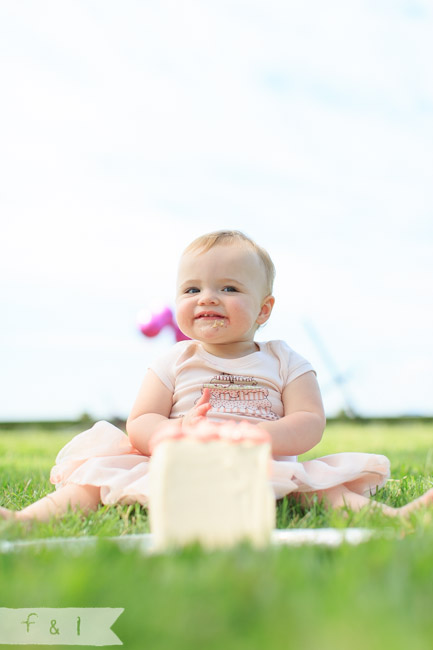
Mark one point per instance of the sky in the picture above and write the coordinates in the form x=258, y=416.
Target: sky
x=128, y=129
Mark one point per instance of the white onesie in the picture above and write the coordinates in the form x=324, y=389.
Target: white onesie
x=248, y=388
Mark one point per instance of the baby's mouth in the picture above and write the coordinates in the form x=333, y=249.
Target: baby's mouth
x=209, y=315
x=212, y=317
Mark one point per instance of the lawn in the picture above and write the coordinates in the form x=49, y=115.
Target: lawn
x=375, y=595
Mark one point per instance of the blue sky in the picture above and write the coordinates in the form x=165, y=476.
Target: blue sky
x=129, y=129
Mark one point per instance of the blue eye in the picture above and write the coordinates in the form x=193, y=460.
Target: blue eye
x=229, y=289
x=192, y=290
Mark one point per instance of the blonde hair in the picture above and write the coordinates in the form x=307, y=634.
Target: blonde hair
x=227, y=237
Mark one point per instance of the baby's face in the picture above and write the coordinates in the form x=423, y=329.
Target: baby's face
x=220, y=294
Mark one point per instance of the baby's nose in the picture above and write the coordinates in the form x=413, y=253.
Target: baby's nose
x=208, y=296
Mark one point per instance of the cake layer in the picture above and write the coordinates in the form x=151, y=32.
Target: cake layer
x=209, y=484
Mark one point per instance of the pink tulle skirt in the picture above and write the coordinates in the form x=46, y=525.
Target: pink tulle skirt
x=104, y=457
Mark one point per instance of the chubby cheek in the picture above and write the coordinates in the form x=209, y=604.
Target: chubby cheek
x=244, y=314
x=184, y=314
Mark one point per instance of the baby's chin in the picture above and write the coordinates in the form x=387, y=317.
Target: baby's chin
x=210, y=324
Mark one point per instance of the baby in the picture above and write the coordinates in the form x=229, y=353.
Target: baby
x=224, y=294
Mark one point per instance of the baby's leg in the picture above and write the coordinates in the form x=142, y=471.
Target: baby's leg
x=341, y=496
x=83, y=497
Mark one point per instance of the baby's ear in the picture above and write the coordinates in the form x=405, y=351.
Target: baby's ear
x=266, y=310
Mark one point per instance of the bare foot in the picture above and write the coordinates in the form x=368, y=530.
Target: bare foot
x=6, y=514
x=424, y=500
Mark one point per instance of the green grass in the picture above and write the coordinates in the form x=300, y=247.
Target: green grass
x=25, y=462
x=376, y=595
x=26, y=459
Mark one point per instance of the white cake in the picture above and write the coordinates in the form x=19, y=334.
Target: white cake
x=209, y=484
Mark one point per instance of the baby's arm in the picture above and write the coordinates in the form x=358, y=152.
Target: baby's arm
x=151, y=408
x=304, y=420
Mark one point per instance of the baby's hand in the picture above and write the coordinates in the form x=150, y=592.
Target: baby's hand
x=199, y=411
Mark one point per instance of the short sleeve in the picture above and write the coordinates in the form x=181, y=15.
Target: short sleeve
x=165, y=366
x=292, y=364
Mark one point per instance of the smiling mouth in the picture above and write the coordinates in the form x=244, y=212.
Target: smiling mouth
x=209, y=314
x=212, y=317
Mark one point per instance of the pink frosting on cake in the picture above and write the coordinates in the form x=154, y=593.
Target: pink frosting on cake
x=205, y=431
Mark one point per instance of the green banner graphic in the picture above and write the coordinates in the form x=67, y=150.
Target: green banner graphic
x=59, y=626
